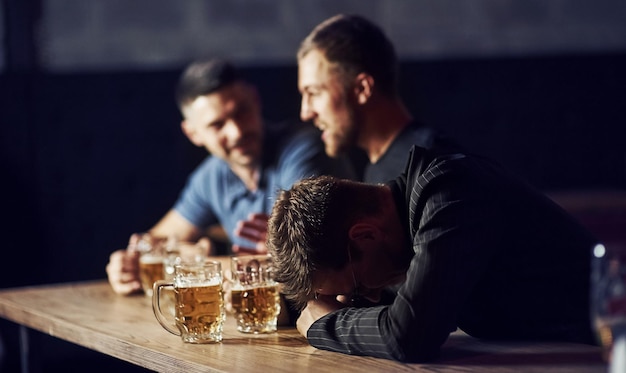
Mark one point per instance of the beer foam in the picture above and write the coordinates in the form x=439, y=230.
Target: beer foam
x=182, y=283
x=150, y=259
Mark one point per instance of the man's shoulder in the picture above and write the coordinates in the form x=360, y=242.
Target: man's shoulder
x=415, y=134
x=436, y=161
x=427, y=137
x=418, y=134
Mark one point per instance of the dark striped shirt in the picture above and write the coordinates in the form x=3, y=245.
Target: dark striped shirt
x=492, y=256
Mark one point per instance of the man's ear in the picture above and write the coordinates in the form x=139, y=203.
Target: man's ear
x=361, y=233
x=190, y=133
x=364, y=87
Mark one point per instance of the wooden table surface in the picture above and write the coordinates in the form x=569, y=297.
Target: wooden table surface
x=90, y=314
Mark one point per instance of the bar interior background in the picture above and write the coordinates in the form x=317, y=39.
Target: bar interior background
x=90, y=143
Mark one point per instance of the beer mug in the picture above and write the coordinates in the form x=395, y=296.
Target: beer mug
x=179, y=252
x=182, y=251
x=254, y=294
x=199, y=301
x=151, y=255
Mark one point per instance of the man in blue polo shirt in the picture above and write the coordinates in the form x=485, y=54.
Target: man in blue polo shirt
x=249, y=161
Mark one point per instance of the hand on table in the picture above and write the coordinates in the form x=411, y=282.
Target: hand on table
x=123, y=271
x=315, y=310
x=254, y=229
x=123, y=267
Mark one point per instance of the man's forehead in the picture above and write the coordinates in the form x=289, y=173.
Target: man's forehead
x=313, y=68
x=203, y=105
x=236, y=91
x=210, y=107
x=205, y=101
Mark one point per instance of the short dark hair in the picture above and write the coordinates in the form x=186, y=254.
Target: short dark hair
x=204, y=77
x=356, y=45
x=308, y=230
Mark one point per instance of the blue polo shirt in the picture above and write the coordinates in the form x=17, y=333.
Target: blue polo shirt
x=215, y=195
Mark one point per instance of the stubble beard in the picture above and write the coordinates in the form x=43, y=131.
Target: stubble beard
x=346, y=140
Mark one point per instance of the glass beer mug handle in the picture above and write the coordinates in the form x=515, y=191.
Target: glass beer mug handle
x=156, y=306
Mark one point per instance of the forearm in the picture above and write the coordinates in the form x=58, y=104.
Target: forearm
x=372, y=332
x=352, y=331
x=173, y=224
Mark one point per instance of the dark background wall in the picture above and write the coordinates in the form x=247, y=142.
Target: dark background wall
x=90, y=157
x=91, y=150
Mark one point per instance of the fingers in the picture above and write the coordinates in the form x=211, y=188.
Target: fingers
x=123, y=272
x=205, y=246
x=226, y=288
x=144, y=241
x=133, y=241
x=261, y=218
x=252, y=231
x=304, y=321
x=343, y=299
x=261, y=248
x=255, y=222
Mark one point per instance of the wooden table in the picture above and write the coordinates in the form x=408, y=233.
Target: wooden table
x=90, y=314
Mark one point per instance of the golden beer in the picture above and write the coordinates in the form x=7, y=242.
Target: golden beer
x=150, y=271
x=200, y=312
x=608, y=330
x=256, y=308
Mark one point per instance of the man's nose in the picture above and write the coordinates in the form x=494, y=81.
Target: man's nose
x=232, y=130
x=306, y=112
